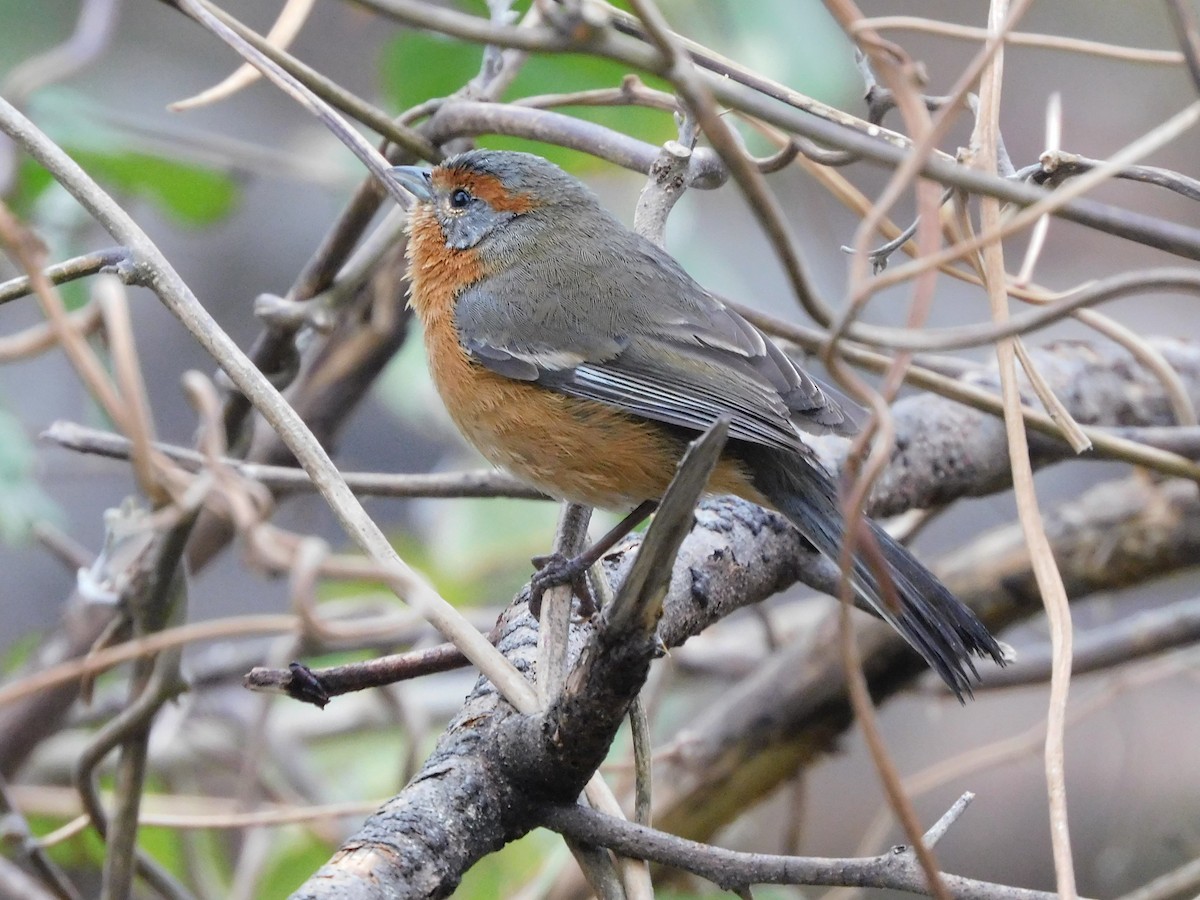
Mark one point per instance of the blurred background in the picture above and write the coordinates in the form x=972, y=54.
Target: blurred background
x=238, y=195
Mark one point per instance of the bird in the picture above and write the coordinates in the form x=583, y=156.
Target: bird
x=582, y=358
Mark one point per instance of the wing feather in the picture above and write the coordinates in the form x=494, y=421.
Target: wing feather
x=685, y=361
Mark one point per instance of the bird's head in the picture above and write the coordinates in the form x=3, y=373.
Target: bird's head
x=486, y=194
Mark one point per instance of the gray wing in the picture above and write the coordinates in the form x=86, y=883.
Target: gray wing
x=685, y=360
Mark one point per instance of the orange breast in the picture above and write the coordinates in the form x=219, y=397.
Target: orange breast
x=574, y=449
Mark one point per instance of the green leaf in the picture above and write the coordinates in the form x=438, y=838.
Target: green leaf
x=296, y=855
x=31, y=182
x=417, y=66
x=165, y=846
x=188, y=193
x=505, y=872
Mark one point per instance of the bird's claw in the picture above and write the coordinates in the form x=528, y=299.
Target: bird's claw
x=555, y=570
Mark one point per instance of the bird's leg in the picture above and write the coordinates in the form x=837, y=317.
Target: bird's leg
x=555, y=568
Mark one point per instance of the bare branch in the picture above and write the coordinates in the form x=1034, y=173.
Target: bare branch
x=1026, y=39
x=1098, y=649
x=459, y=118
x=70, y=270
x=479, y=483
x=1056, y=166
x=729, y=869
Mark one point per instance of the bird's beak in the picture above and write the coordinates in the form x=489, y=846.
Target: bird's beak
x=414, y=179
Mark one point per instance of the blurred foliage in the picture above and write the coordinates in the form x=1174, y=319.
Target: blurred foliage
x=32, y=28
x=188, y=193
x=296, y=854
x=19, y=653
x=768, y=892
x=210, y=863
x=416, y=66
x=83, y=850
x=477, y=551
x=504, y=873
x=22, y=501
x=160, y=170
x=816, y=58
x=165, y=846
x=368, y=766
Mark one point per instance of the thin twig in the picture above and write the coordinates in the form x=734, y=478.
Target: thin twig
x=1094, y=293
x=1049, y=580
x=69, y=270
x=281, y=34
x=1099, y=649
x=118, y=329
x=1020, y=745
x=942, y=826
x=320, y=85
x=1055, y=408
x=1026, y=39
x=643, y=761
x=18, y=834
x=103, y=660
x=1056, y=166
x=1178, y=124
x=555, y=620
x=477, y=483
x=37, y=339
x=27, y=250
x=469, y=118
x=1105, y=442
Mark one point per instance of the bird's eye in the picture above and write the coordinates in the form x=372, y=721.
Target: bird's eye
x=460, y=198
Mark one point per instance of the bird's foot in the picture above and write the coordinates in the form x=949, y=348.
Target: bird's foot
x=555, y=570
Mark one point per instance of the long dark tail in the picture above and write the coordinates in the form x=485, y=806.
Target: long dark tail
x=937, y=625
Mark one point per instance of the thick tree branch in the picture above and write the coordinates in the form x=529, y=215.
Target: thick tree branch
x=546, y=756
x=796, y=704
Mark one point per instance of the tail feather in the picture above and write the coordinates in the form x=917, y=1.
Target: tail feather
x=933, y=621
